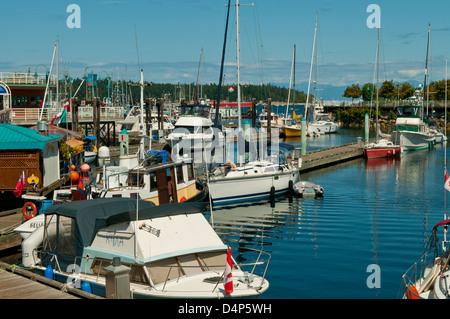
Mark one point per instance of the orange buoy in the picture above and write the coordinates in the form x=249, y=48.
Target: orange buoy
x=412, y=293
x=72, y=167
x=29, y=210
x=85, y=168
x=74, y=176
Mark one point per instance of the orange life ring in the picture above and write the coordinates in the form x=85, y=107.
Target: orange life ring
x=25, y=210
x=412, y=293
x=182, y=199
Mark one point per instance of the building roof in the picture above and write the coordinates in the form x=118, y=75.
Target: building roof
x=14, y=137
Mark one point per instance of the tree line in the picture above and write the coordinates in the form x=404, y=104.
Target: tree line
x=130, y=91
x=389, y=91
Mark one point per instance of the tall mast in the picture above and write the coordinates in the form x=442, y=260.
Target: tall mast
x=238, y=66
x=426, y=84
x=310, y=70
x=378, y=64
x=290, y=81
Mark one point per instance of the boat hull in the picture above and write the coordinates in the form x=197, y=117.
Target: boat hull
x=292, y=132
x=241, y=189
x=381, y=152
x=413, y=141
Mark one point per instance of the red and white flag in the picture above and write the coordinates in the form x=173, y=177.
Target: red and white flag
x=61, y=116
x=20, y=185
x=447, y=181
x=227, y=276
x=231, y=89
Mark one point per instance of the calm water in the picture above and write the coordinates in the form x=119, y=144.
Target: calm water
x=378, y=212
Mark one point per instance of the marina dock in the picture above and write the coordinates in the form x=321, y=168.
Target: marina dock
x=17, y=283
x=330, y=156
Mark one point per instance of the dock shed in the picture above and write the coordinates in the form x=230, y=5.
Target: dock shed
x=29, y=151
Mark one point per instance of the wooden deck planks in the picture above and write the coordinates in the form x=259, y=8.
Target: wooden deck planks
x=14, y=286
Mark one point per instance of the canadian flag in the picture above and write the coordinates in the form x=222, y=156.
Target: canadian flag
x=447, y=181
x=227, y=276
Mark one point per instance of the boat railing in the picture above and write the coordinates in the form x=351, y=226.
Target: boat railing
x=12, y=78
x=85, y=113
x=409, y=280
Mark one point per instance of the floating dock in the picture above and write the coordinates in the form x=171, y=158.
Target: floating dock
x=330, y=156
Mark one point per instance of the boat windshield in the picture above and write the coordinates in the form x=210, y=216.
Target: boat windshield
x=195, y=110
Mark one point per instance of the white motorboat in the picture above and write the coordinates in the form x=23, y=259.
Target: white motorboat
x=170, y=251
x=411, y=132
x=194, y=129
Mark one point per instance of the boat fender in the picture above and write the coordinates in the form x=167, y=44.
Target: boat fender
x=49, y=272
x=26, y=210
x=182, y=199
x=291, y=186
x=86, y=286
x=412, y=293
x=272, y=191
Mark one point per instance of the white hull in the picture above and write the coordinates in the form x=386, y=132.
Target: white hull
x=323, y=127
x=230, y=190
x=413, y=141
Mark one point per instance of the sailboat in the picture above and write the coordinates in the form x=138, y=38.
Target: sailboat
x=411, y=131
x=428, y=278
x=293, y=129
x=258, y=179
x=381, y=147
x=319, y=123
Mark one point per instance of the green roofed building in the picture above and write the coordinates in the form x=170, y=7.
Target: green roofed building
x=28, y=151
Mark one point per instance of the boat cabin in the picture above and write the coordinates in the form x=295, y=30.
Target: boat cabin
x=160, y=182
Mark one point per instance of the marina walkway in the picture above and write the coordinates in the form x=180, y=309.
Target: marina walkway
x=18, y=283
x=330, y=156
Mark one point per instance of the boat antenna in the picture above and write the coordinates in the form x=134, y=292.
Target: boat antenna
x=216, y=119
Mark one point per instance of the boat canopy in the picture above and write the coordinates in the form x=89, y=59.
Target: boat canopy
x=92, y=215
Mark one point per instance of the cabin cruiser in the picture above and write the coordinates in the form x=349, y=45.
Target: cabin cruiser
x=194, y=129
x=170, y=250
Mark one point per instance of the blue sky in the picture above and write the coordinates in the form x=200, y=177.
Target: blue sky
x=171, y=34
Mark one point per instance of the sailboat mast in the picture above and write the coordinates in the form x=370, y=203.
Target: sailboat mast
x=378, y=65
x=310, y=70
x=238, y=67
x=426, y=84
x=290, y=82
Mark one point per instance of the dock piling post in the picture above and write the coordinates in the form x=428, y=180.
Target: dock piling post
x=303, y=136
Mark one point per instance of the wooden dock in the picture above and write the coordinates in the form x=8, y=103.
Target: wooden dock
x=330, y=156
x=18, y=283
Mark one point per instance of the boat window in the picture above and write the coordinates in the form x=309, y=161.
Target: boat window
x=137, y=273
x=153, y=184
x=190, y=171
x=135, y=179
x=66, y=235
x=50, y=233
x=174, y=267
x=180, y=178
